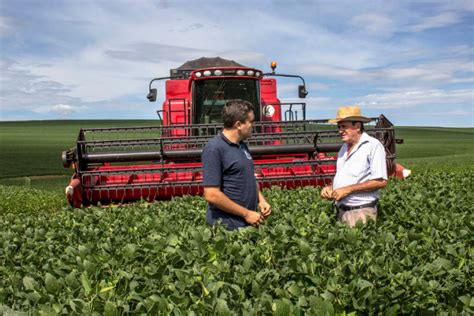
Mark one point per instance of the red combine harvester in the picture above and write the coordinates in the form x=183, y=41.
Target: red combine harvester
x=125, y=164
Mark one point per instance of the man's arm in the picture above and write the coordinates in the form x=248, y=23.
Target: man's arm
x=265, y=208
x=217, y=198
x=367, y=186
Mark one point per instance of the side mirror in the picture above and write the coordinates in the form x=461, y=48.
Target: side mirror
x=151, y=96
x=302, y=91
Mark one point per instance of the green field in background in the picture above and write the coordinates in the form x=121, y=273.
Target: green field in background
x=428, y=142
x=34, y=148
x=30, y=152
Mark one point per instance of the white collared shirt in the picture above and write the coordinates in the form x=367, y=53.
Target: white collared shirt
x=365, y=162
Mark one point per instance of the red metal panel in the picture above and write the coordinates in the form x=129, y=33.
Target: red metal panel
x=121, y=184
x=271, y=109
x=176, y=105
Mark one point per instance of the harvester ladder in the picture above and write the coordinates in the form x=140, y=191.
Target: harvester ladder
x=183, y=111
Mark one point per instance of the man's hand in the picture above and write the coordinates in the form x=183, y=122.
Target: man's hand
x=253, y=218
x=326, y=193
x=265, y=208
x=341, y=193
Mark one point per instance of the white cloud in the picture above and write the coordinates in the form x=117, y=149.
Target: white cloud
x=449, y=113
x=317, y=86
x=418, y=73
x=435, y=71
x=247, y=58
x=441, y=20
x=331, y=71
x=20, y=88
x=374, y=23
x=155, y=53
x=62, y=110
x=6, y=26
x=463, y=80
x=411, y=98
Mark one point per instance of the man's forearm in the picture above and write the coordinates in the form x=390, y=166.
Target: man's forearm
x=368, y=186
x=222, y=202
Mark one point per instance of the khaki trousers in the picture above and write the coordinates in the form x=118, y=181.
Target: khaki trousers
x=363, y=214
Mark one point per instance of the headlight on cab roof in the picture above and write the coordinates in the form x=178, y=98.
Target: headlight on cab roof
x=240, y=72
x=217, y=72
x=207, y=72
x=198, y=74
x=250, y=73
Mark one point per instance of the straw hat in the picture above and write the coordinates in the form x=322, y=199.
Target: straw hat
x=349, y=113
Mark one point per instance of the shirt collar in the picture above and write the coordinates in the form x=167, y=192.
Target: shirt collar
x=228, y=141
x=364, y=138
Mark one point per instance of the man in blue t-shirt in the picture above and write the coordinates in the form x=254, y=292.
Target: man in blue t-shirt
x=229, y=181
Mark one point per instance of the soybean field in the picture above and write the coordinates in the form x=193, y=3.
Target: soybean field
x=162, y=258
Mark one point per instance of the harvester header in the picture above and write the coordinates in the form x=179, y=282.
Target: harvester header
x=125, y=164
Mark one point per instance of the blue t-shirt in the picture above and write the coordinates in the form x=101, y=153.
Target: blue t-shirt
x=229, y=166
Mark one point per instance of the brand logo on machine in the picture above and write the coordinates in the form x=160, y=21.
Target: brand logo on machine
x=268, y=110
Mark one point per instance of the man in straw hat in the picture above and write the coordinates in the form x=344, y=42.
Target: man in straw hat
x=361, y=169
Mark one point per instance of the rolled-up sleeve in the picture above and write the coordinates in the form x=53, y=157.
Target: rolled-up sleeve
x=378, y=163
x=211, y=167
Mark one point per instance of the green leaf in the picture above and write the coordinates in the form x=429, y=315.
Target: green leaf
x=86, y=283
x=173, y=240
x=110, y=309
x=129, y=250
x=467, y=300
x=29, y=283
x=106, y=289
x=71, y=280
x=441, y=263
x=362, y=284
x=215, y=286
x=282, y=307
x=392, y=310
x=321, y=307
x=294, y=290
x=34, y=297
x=51, y=283
x=222, y=308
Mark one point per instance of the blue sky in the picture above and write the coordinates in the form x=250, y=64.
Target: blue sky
x=412, y=61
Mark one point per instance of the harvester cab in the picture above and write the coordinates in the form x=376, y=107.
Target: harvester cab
x=197, y=91
x=125, y=164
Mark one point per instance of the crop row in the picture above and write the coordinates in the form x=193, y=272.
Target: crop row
x=163, y=258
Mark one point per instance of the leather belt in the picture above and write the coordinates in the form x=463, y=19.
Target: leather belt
x=351, y=208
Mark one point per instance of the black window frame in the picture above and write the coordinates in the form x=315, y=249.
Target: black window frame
x=228, y=86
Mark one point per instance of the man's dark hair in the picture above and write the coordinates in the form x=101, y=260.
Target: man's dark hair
x=236, y=111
